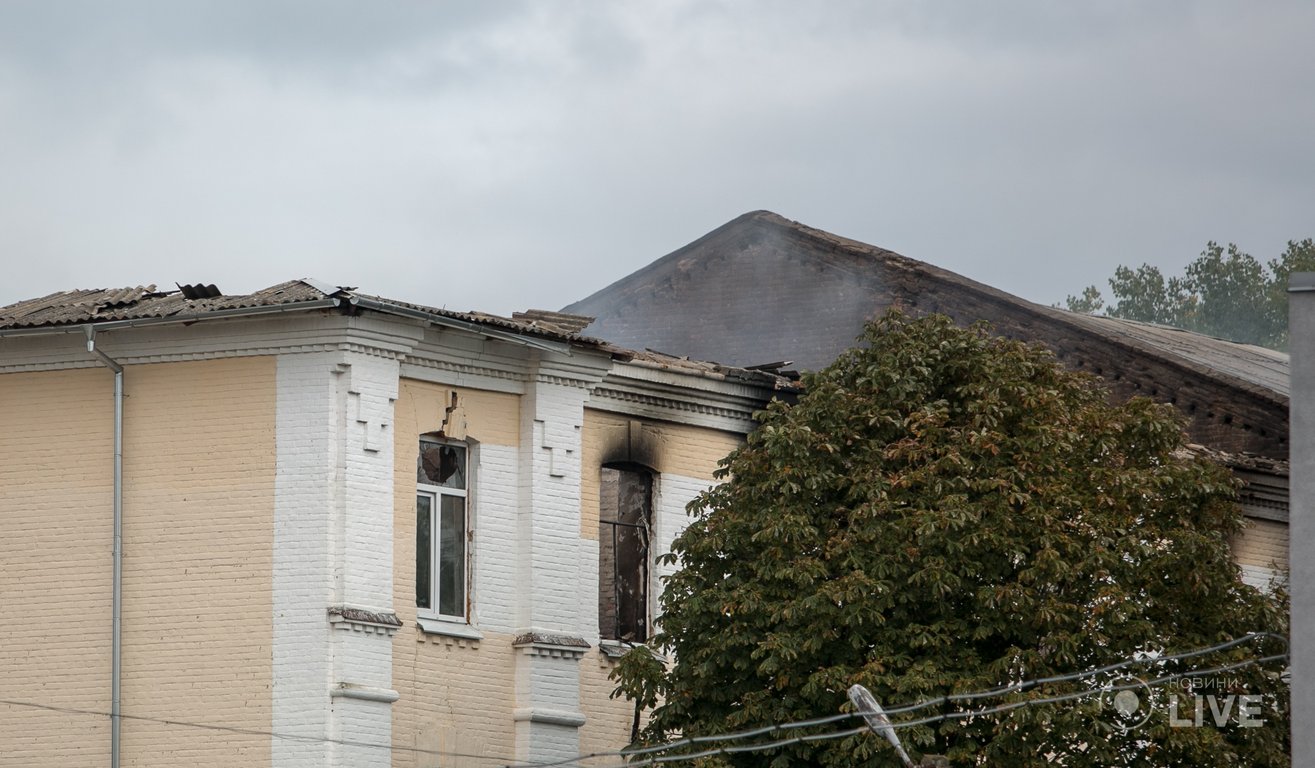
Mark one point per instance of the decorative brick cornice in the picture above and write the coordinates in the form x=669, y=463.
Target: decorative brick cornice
x=563, y=381
x=671, y=404
x=372, y=351
x=449, y=641
x=421, y=360
x=551, y=645
x=361, y=620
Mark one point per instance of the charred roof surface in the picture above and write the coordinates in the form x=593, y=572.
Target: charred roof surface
x=763, y=288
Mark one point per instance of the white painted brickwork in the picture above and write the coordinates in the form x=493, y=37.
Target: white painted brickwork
x=548, y=687
x=494, y=521
x=333, y=522
x=670, y=518
x=303, y=574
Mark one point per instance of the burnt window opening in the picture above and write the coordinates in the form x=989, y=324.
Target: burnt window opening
x=625, y=513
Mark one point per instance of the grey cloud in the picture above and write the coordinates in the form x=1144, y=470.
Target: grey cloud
x=496, y=156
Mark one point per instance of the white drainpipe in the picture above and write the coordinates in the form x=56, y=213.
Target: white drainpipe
x=116, y=609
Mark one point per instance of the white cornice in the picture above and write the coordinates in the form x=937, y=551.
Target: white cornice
x=462, y=374
x=583, y=370
x=238, y=337
x=680, y=397
x=683, y=410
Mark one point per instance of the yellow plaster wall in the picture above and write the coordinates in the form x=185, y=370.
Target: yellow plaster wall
x=198, y=539
x=490, y=417
x=456, y=695
x=55, y=568
x=198, y=502
x=608, y=721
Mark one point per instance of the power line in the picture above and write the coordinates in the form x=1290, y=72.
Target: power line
x=972, y=696
x=741, y=735
x=306, y=739
x=833, y=735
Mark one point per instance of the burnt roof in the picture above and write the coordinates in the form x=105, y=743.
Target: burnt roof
x=763, y=287
x=70, y=310
x=102, y=305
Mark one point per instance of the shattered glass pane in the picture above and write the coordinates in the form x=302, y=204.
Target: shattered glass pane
x=441, y=464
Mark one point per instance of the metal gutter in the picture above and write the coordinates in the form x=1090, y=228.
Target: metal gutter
x=110, y=325
x=116, y=607
x=465, y=325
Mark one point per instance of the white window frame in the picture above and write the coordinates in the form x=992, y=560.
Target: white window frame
x=430, y=619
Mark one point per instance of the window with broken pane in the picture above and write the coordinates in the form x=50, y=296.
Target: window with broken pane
x=624, y=522
x=442, y=529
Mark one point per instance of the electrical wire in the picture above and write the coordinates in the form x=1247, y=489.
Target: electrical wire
x=252, y=731
x=762, y=731
x=904, y=709
x=833, y=735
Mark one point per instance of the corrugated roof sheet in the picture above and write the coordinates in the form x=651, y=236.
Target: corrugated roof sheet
x=90, y=306
x=102, y=305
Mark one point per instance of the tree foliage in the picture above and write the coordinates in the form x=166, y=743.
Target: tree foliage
x=1224, y=292
x=946, y=511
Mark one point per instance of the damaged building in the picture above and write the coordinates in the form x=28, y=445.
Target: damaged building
x=764, y=291
x=311, y=527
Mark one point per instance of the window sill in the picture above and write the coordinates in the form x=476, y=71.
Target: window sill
x=448, y=628
x=615, y=649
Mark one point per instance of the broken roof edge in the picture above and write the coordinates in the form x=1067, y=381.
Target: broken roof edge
x=1242, y=461
x=97, y=326
x=660, y=361
x=1104, y=327
x=461, y=321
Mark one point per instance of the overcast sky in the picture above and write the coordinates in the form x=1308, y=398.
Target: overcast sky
x=503, y=155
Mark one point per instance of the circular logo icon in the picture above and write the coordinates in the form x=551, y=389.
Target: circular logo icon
x=1126, y=703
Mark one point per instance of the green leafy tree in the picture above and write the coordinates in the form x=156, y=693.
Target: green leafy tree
x=946, y=511
x=1224, y=292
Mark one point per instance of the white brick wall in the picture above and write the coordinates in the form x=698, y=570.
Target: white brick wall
x=669, y=521
x=303, y=576
x=333, y=547
x=550, y=552
x=494, y=522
